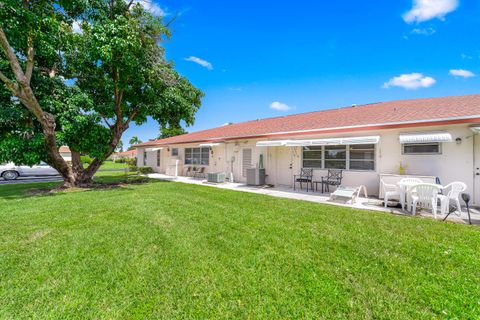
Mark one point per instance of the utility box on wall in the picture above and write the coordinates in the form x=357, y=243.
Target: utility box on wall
x=256, y=177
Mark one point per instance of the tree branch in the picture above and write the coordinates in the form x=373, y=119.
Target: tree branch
x=12, y=86
x=30, y=55
x=106, y=121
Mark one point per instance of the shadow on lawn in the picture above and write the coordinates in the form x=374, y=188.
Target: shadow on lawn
x=49, y=189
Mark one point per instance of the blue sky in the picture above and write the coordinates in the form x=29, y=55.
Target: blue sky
x=257, y=59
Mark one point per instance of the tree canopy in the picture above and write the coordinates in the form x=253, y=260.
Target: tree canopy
x=78, y=73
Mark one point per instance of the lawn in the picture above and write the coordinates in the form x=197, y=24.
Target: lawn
x=175, y=251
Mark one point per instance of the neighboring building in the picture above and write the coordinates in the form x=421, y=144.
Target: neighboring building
x=65, y=153
x=434, y=137
x=129, y=154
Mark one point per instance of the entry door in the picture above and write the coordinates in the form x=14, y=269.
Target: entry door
x=284, y=162
x=476, y=169
x=246, y=161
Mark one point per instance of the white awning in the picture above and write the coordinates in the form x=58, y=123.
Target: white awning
x=210, y=144
x=272, y=143
x=425, y=137
x=334, y=141
x=475, y=129
x=153, y=149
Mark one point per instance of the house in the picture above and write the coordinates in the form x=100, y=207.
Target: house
x=129, y=154
x=65, y=153
x=434, y=137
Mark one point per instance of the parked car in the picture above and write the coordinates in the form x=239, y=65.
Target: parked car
x=10, y=171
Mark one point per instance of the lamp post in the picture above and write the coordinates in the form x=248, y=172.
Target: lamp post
x=466, y=198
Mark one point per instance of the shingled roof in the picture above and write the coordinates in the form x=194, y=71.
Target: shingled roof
x=401, y=113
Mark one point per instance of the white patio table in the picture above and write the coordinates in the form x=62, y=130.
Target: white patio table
x=405, y=195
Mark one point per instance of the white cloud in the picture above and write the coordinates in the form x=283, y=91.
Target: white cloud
x=465, y=56
x=461, y=73
x=152, y=7
x=424, y=10
x=410, y=81
x=77, y=26
x=201, y=62
x=424, y=31
x=276, y=105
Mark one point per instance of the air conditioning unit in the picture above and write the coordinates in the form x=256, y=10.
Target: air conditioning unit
x=216, y=177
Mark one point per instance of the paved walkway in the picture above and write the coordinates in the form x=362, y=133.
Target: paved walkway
x=285, y=192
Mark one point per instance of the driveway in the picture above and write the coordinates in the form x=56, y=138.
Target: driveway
x=31, y=180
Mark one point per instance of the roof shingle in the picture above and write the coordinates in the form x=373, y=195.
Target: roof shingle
x=383, y=113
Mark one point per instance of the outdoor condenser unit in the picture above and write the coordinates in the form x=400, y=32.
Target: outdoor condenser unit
x=216, y=177
x=256, y=177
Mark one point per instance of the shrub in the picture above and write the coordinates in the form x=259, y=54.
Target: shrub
x=131, y=161
x=145, y=170
x=86, y=159
x=132, y=168
x=120, y=160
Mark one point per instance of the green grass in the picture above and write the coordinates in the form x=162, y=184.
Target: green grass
x=113, y=165
x=174, y=251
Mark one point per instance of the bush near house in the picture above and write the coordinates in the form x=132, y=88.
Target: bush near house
x=145, y=170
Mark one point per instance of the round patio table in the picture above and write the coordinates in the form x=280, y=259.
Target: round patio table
x=405, y=195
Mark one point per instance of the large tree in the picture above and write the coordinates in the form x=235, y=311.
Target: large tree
x=78, y=73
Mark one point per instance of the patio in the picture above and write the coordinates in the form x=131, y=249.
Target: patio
x=369, y=203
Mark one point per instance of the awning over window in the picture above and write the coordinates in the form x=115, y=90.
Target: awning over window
x=271, y=143
x=153, y=149
x=320, y=142
x=209, y=144
x=335, y=141
x=425, y=137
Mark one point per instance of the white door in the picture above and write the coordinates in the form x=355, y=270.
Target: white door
x=284, y=164
x=476, y=170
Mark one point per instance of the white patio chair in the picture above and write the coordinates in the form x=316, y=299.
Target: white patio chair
x=404, y=184
x=455, y=189
x=390, y=191
x=425, y=196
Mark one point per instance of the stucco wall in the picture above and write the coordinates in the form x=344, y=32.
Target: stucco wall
x=455, y=163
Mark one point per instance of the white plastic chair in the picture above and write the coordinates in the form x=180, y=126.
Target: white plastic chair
x=390, y=191
x=404, y=195
x=425, y=196
x=455, y=189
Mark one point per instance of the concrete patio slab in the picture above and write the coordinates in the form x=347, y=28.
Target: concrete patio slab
x=362, y=203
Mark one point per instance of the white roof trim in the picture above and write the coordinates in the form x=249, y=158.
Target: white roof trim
x=153, y=149
x=425, y=137
x=320, y=142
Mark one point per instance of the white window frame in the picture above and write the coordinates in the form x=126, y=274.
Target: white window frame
x=422, y=153
x=200, y=153
x=347, y=162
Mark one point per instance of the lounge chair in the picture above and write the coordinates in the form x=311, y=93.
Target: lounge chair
x=347, y=194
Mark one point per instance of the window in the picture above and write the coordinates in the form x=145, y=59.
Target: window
x=347, y=157
x=158, y=158
x=421, y=148
x=335, y=157
x=362, y=157
x=145, y=158
x=199, y=156
x=174, y=152
x=312, y=157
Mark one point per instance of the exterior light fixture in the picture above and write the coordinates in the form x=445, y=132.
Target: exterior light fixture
x=458, y=140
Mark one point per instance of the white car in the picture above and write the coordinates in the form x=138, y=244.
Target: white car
x=9, y=171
